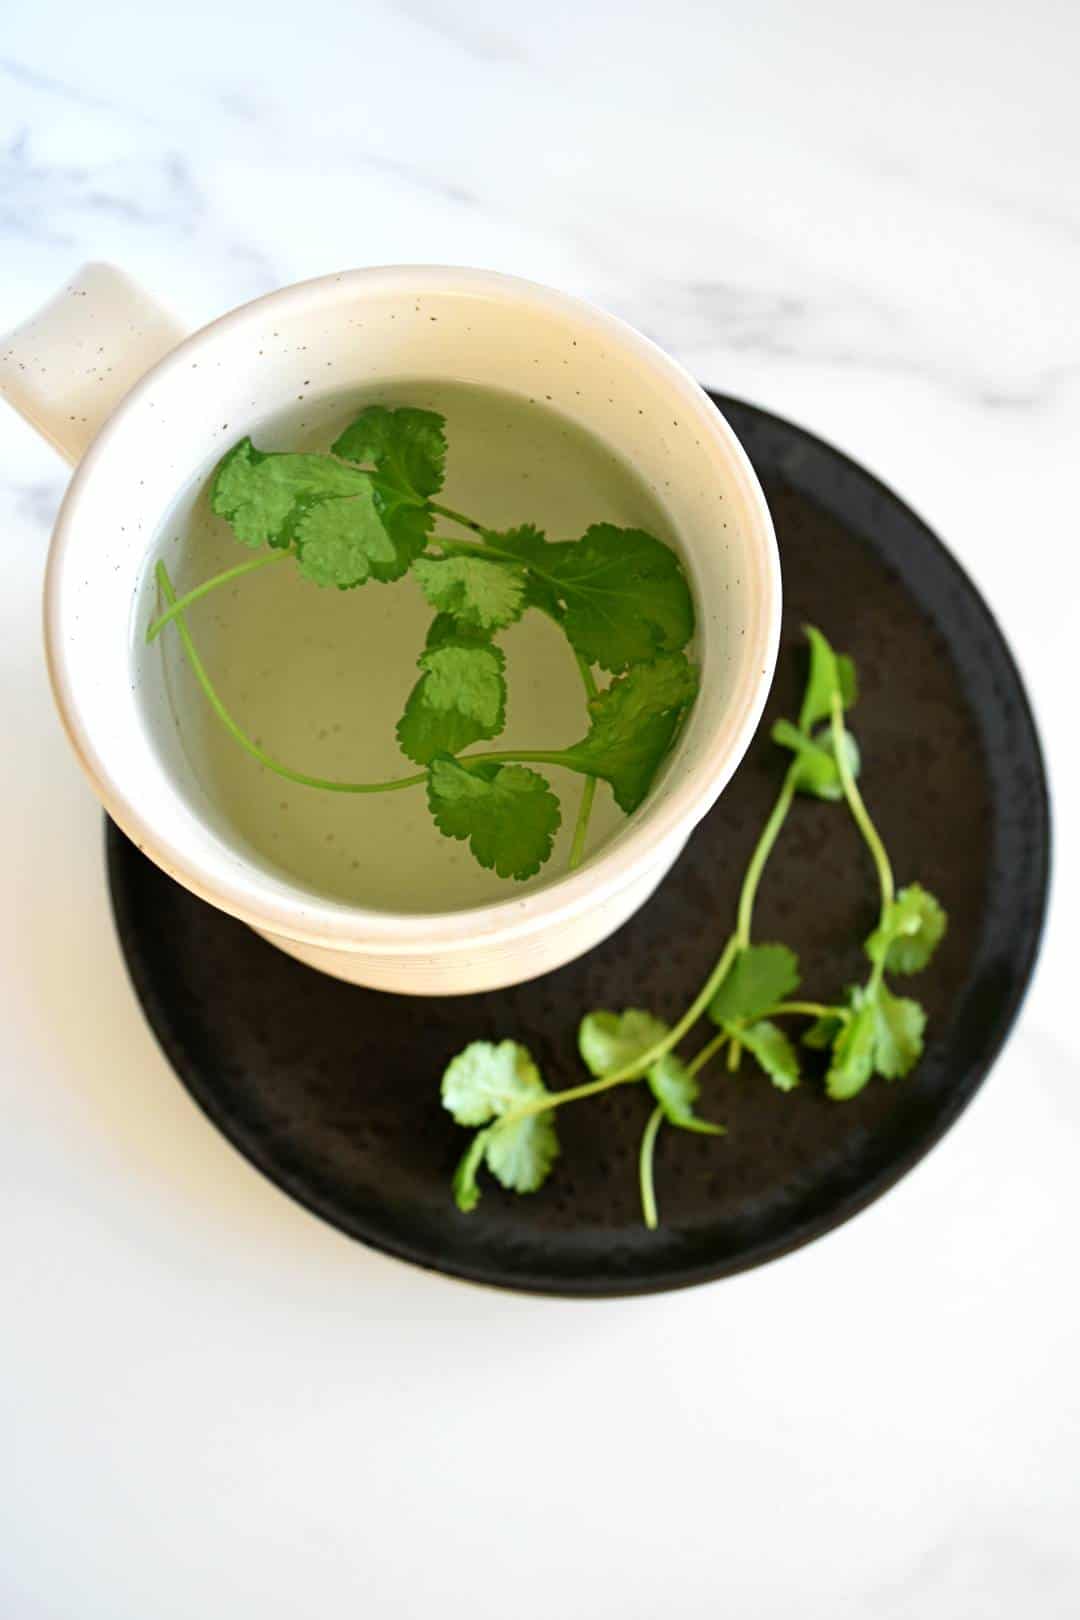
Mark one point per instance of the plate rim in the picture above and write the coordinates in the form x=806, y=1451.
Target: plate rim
x=699, y=1271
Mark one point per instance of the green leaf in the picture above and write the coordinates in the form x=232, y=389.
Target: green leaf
x=848, y=680
x=262, y=493
x=484, y=595
x=817, y=772
x=774, y=1052
x=407, y=524
x=508, y=814
x=343, y=543
x=609, y=1041
x=676, y=1090
x=459, y=699
x=759, y=978
x=823, y=1032
x=828, y=672
x=527, y=542
x=407, y=446
x=466, y=1191
x=853, y=1051
x=488, y=1079
x=910, y=931
x=625, y=594
x=899, y=1026
x=521, y=1153
x=484, y=1083
x=634, y=723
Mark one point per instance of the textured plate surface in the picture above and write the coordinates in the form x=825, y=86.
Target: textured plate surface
x=332, y=1091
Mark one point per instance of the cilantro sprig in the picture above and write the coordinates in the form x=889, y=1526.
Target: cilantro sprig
x=753, y=987
x=365, y=513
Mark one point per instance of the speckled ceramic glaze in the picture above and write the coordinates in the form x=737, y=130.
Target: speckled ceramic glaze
x=333, y=1090
x=66, y=369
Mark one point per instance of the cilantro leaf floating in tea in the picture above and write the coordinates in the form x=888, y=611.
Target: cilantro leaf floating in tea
x=484, y=595
x=633, y=724
x=406, y=447
x=261, y=494
x=867, y=1031
x=343, y=543
x=459, y=699
x=508, y=813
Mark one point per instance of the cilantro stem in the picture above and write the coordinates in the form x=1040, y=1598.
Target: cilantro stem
x=858, y=807
x=644, y=1060
x=809, y=1009
x=707, y=1053
x=181, y=604
x=645, y=1170
x=762, y=851
x=459, y=517
x=581, y=826
x=588, y=792
x=246, y=742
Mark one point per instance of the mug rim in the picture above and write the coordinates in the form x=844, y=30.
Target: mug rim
x=315, y=920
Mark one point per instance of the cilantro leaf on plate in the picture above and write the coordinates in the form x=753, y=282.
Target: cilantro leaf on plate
x=759, y=978
x=508, y=813
x=484, y=1083
x=609, y=1041
x=262, y=493
x=521, y=1153
x=823, y=1031
x=767, y=1043
x=676, y=1090
x=406, y=446
x=910, y=931
x=898, y=1039
x=459, y=699
x=817, y=772
x=466, y=1190
x=829, y=672
x=343, y=543
x=625, y=594
x=484, y=595
x=634, y=722
x=853, y=1051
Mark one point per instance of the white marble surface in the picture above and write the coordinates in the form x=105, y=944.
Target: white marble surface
x=864, y=217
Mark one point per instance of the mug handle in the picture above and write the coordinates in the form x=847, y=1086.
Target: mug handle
x=68, y=367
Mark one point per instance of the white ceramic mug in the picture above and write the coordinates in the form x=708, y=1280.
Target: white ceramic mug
x=113, y=383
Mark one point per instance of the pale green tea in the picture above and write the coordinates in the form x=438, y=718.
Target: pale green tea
x=319, y=676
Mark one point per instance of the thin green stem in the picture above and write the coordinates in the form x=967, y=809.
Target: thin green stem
x=809, y=1009
x=635, y=1069
x=587, y=677
x=458, y=517
x=246, y=742
x=763, y=849
x=181, y=604
x=707, y=1053
x=649, y=1211
x=581, y=826
x=858, y=808
x=588, y=792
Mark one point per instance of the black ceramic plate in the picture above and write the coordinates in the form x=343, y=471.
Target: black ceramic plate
x=332, y=1091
